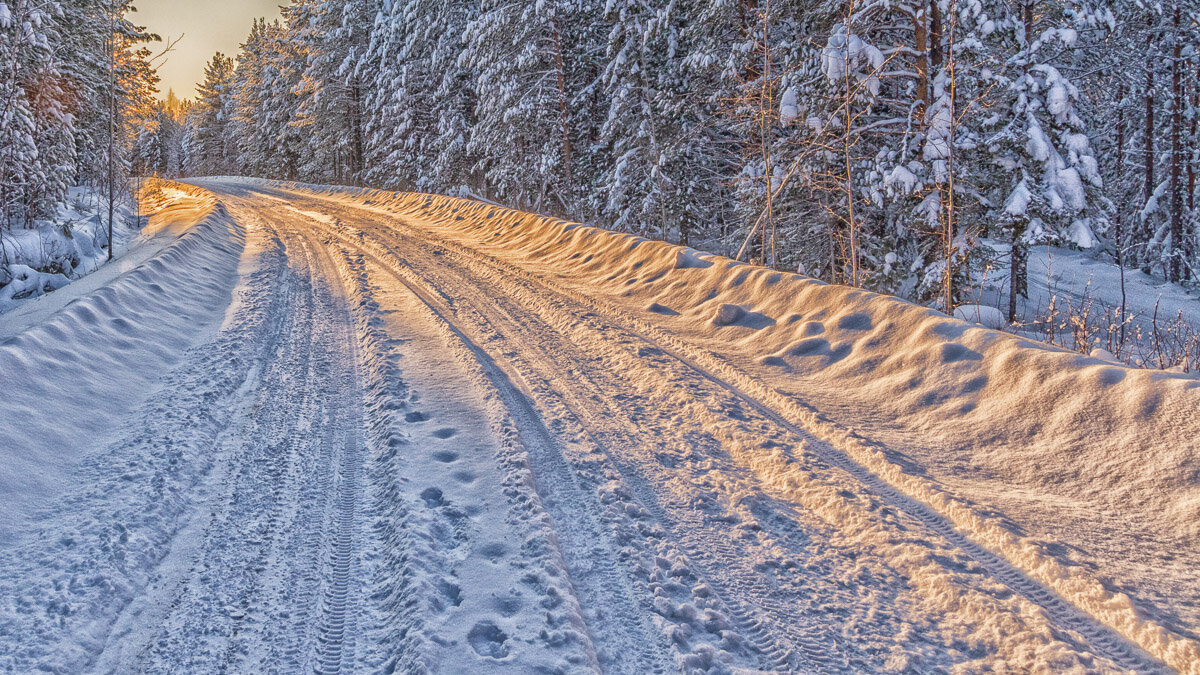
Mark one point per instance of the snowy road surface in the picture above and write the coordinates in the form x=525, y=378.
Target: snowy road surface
x=328, y=431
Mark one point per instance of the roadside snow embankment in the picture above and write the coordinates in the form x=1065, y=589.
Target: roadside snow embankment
x=74, y=361
x=999, y=418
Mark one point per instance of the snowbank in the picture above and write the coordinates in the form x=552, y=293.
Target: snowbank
x=48, y=257
x=969, y=414
x=74, y=361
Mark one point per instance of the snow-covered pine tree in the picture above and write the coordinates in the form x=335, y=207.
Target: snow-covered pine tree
x=332, y=36
x=211, y=146
x=536, y=65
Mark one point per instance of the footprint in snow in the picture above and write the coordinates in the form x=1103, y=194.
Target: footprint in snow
x=487, y=639
x=433, y=497
x=493, y=551
x=445, y=433
x=509, y=605
x=451, y=591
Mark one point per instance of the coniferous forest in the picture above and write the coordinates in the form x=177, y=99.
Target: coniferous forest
x=878, y=350
x=871, y=143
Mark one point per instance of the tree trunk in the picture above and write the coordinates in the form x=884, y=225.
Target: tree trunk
x=766, y=112
x=1120, y=169
x=1175, y=261
x=1119, y=225
x=1194, y=158
x=948, y=200
x=1018, y=267
x=564, y=113
x=112, y=126
x=1145, y=230
x=356, y=130
x=936, y=53
x=921, y=44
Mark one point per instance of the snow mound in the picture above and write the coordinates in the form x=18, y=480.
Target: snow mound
x=986, y=316
x=28, y=282
x=728, y=315
x=74, y=361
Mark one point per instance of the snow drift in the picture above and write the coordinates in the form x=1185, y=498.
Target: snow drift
x=75, y=360
x=67, y=246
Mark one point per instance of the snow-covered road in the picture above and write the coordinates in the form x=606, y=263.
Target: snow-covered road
x=380, y=447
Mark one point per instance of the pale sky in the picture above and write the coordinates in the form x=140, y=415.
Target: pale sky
x=208, y=26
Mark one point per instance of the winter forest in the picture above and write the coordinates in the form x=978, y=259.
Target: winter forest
x=899, y=146
x=600, y=336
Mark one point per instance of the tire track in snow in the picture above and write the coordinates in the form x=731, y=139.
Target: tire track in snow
x=270, y=560
x=335, y=634
x=761, y=613
x=577, y=530
x=419, y=568
x=1103, y=638
x=338, y=621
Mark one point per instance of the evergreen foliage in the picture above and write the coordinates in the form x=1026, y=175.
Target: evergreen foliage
x=869, y=142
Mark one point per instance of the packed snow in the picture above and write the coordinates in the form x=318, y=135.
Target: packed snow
x=337, y=429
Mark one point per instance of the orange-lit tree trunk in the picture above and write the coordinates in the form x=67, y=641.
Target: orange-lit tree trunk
x=563, y=110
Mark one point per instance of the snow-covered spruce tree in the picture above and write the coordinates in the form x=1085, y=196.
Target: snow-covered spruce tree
x=268, y=68
x=421, y=107
x=660, y=165
x=1045, y=182
x=399, y=103
x=451, y=162
x=719, y=43
x=26, y=60
x=84, y=37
